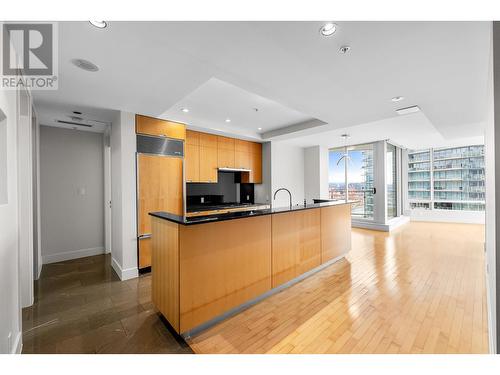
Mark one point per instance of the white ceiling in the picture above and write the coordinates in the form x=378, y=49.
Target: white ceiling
x=215, y=101
x=413, y=131
x=150, y=67
x=51, y=114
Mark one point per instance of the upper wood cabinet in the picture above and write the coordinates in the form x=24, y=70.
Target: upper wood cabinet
x=205, y=153
x=157, y=127
x=255, y=162
x=242, y=151
x=208, y=158
x=192, y=138
x=225, y=152
x=192, y=156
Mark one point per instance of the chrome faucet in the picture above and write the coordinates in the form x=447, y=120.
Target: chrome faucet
x=290, y=194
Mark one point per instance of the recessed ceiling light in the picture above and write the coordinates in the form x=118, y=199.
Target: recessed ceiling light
x=344, y=49
x=259, y=128
x=99, y=24
x=397, y=98
x=228, y=120
x=85, y=65
x=328, y=29
x=185, y=110
x=407, y=110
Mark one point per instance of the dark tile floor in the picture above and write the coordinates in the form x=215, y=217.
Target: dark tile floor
x=81, y=306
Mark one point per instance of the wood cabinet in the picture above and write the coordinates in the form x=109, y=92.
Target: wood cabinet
x=208, y=158
x=200, y=157
x=296, y=244
x=165, y=270
x=222, y=266
x=335, y=231
x=158, y=127
x=192, y=156
x=225, y=152
x=205, y=153
x=203, y=271
x=144, y=252
x=159, y=188
x=242, y=150
x=255, y=174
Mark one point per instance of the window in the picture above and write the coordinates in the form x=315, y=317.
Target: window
x=359, y=173
x=455, y=182
x=391, y=181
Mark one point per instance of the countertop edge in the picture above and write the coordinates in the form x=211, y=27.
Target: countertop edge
x=182, y=220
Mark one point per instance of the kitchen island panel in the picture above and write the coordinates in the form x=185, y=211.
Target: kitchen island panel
x=165, y=269
x=222, y=265
x=335, y=231
x=296, y=244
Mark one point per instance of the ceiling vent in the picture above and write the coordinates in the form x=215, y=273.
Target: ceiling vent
x=408, y=110
x=85, y=65
x=73, y=123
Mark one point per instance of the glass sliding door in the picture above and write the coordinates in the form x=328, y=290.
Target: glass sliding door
x=391, y=181
x=360, y=180
x=337, y=174
x=351, y=176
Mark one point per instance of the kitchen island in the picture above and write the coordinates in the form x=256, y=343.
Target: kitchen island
x=209, y=267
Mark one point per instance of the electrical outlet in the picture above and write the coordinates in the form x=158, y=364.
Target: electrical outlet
x=202, y=199
x=248, y=197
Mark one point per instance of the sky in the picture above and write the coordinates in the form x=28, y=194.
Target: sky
x=336, y=172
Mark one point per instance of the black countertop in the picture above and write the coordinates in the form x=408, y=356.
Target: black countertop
x=220, y=206
x=240, y=215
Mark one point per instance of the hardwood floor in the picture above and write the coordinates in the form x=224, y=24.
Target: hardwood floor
x=420, y=289
x=82, y=307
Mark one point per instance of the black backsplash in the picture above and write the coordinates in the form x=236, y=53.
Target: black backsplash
x=226, y=187
x=247, y=193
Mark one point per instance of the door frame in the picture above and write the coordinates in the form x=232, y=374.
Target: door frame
x=25, y=195
x=107, y=190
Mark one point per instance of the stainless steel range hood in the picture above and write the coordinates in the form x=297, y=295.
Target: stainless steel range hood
x=234, y=170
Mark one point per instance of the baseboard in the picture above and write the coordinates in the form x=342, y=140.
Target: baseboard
x=68, y=255
x=391, y=225
x=17, y=348
x=39, y=271
x=491, y=327
x=124, y=274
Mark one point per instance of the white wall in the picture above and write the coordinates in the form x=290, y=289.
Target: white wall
x=287, y=167
x=10, y=308
x=315, y=173
x=71, y=194
x=123, y=196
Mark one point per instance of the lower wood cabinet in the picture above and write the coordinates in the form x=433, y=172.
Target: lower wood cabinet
x=144, y=252
x=201, y=271
x=335, y=231
x=296, y=244
x=222, y=265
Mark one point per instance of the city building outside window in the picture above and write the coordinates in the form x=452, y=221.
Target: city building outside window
x=447, y=179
